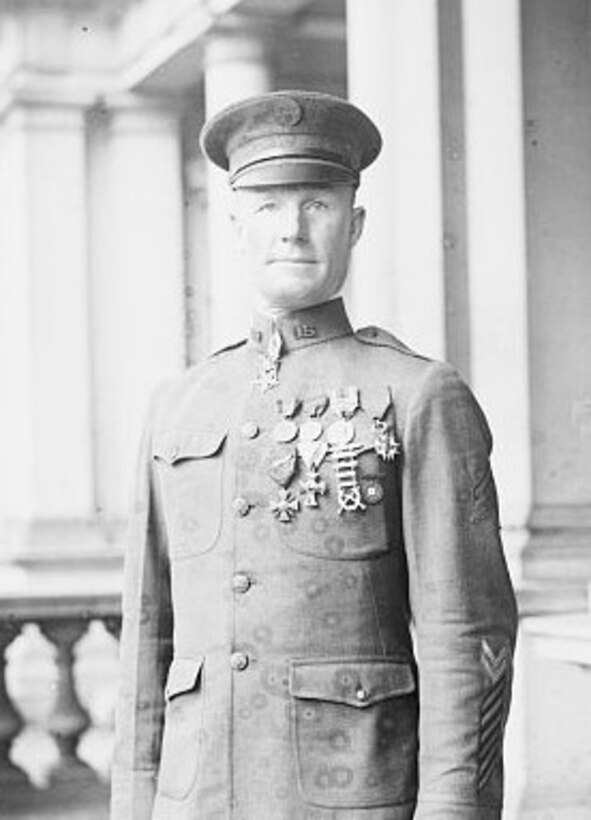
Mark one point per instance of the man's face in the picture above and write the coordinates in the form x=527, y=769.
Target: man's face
x=297, y=240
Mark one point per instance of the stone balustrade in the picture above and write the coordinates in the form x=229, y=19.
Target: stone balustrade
x=60, y=626
x=79, y=632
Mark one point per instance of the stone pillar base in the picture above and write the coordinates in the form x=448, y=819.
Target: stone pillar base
x=559, y=547
x=555, y=676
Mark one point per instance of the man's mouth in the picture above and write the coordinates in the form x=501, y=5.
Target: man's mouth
x=289, y=260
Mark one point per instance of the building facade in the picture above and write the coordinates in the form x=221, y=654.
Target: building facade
x=117, y=270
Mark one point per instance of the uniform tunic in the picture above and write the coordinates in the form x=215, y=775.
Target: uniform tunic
x=314, y=627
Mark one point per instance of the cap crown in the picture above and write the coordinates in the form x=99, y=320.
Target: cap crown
x=291, y=137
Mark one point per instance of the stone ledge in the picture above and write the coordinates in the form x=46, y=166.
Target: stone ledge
x=538, y=598
x=62, y=543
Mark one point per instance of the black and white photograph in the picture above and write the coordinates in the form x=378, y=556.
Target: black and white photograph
x=295, y=418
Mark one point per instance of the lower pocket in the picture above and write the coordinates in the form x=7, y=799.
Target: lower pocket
x=355, y=731
x=179, y=759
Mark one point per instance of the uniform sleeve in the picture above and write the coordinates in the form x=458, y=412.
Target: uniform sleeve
x=145, y=651
x=462, y=601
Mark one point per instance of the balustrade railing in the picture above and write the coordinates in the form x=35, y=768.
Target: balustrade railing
x=70, y=786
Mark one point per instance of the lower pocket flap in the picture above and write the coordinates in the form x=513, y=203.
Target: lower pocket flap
x=356, y=682
x=183, y=675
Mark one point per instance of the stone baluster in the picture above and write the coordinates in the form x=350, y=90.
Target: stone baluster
x=68, y=720
x=10, y=720
x=112, y=624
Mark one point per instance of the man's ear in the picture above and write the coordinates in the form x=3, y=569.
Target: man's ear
x=357, y=223
x=235, y=220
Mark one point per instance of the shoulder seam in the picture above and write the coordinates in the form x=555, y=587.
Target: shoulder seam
x=372, y=335
x=227, y=348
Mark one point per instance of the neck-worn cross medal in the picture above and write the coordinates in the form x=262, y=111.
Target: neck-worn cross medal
x=268, y=375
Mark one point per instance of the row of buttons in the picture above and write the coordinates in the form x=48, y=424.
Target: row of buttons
x=241, y=582
x=241, y=505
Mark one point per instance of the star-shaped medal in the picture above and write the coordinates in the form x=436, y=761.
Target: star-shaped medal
x=385, y=443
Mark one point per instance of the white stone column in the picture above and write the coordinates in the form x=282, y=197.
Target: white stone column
x=393, y=75
x=46, y=482
x=137, y=281
x=496, y=245
x=557, y=83
x=236, y=67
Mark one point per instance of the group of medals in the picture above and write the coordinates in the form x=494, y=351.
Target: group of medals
x=316, y=437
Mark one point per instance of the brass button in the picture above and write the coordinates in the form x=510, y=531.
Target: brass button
x=239, y=661
x=241, y=582
x=249, y=429
x=362, y=694
x=241, y=506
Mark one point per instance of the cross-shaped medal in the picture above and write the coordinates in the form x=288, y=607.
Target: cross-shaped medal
x=267, y=376
x=285, y=507
x=313, y=487
x=385, y=443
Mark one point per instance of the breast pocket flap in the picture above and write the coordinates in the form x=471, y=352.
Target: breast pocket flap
x=357, y=683
x=175, y=446
x=183, y=676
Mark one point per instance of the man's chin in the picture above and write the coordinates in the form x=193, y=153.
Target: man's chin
x=283, y=302
x=290, y=289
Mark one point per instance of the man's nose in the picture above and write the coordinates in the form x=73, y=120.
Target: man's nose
x=293, y=224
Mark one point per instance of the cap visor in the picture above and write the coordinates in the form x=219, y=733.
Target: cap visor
x=293, y=171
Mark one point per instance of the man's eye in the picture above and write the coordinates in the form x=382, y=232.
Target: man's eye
x=316, y=205
x=266, y=206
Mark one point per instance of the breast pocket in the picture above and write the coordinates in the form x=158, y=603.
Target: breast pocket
x=190, y=467
x=341, y=531
x=179, y=760
x=355, y=729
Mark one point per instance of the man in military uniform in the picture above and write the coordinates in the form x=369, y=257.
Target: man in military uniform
x=318, y=619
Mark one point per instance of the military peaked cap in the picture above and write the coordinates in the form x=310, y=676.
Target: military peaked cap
x=291, y=137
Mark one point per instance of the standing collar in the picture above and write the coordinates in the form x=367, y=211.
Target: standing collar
x=302, y=328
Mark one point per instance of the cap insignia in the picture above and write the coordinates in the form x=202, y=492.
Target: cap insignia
x=288, y=112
